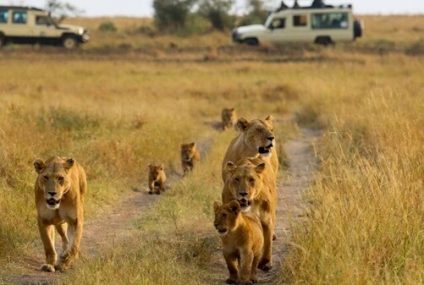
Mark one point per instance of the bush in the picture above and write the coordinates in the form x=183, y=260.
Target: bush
x=108, y=27
x=172, y=15
x=216, y=11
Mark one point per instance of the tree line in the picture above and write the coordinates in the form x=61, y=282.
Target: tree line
x=175, y=15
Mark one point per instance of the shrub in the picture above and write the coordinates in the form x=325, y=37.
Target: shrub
x=171, y=15
x=108, y=27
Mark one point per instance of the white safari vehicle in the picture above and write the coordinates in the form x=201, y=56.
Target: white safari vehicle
x=322, y=25
x=30, y=25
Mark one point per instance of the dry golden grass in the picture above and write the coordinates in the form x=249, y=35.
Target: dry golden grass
x=117, y=113
x=366, y=218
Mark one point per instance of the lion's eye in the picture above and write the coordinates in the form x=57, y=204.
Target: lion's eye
x=45, y=177
x=224, y=215
x=60, y=179
x=252, y=180
x=237, y=179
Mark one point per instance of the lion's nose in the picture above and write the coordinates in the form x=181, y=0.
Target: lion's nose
x=271, y=138
x=52, y=193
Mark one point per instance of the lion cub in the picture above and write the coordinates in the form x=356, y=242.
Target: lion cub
x=157, y=179
x=189, y=154
x=229, y=118
x=59, y=199
x=242, y=241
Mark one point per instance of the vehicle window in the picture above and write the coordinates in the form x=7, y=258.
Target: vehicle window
x=42, y=21
x=300, y=20
x=330, y=21
x=4, y=16
x=278, y=23
x=20, y=17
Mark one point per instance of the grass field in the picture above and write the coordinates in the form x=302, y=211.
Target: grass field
x=128, y=100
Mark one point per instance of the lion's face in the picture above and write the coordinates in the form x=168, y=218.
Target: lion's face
x=259, y=134
x=188, y=151
x=226, y=216
x=229, y=115
x=244, y=181
x=156, y=171
x=53, y=180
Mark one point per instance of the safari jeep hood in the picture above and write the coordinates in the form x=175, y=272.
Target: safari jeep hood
x=71, y=28
x=251, y=29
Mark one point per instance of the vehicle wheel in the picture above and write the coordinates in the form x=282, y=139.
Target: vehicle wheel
x=251, y=41
x=2, y=41
x=325, y=41
x=70, y=42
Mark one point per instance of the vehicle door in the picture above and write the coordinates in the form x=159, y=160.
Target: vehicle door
x=277, y=28
x=300, y=30
x=45, y=29
x=19, y=25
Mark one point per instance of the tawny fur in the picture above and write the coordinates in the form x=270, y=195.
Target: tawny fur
x=64, y=179
x=242, y=242
x=157, y=179
x=229, y=117
x=189, y=156
x=253, y=135
x=251, y=181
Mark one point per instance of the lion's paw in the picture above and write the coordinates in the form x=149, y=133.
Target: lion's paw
x=47, y=268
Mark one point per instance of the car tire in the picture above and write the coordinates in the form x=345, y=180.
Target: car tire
x=2, y=41
x=324, y=40
x=251, y=41
x=70, y=42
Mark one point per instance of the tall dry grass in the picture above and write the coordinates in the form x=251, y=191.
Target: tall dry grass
x=114, y=117
x=365, y=225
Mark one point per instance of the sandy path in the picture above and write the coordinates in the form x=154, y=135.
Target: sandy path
x=292, y=185
x=119, y=220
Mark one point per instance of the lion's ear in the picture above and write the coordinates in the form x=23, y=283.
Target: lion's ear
x=69, y=163
x=269, y=120
x=230, y=166
x=260, y=168
x=216, y=206
x=193, y=144
x=232, y=109
x=242, y=124
x=161, y=167
x=39, y=165
x=235, y=207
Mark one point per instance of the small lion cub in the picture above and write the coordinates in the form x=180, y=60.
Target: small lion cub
x=242, y=242
x=157, y=179
x=189, y=154
x=229, y=118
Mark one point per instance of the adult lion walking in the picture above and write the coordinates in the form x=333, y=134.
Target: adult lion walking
x=59, y=190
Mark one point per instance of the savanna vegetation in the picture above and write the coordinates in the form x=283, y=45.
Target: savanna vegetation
x=132, y=96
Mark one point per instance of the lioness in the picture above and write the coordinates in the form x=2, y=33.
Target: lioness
x=256, y=137
x=228, y=117
x=59, y=190
x=252, y=183
x=157, y=178
x=189, y=154
x=242, y=242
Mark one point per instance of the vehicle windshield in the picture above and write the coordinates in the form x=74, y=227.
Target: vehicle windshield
x=268, y=21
